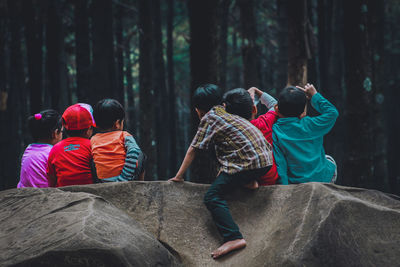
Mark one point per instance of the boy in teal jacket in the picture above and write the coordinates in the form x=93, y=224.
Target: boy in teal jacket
x=298, y=139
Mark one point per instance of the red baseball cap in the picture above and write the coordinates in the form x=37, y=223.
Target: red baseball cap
x=78, y=117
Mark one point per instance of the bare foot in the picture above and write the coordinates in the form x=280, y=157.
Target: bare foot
x=252, y=185
x=228, y=247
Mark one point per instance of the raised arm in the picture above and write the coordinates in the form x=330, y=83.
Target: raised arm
x=323, y=123
x=265, y=98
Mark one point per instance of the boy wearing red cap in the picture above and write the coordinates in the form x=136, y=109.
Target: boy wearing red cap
x=69, y=160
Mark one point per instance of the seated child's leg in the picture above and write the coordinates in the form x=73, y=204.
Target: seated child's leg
x=333, y=181
x=217, y=205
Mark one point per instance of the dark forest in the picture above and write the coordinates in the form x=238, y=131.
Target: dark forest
x=151, y=55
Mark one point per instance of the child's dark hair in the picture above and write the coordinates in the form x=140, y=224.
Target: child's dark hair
x=107, y=112
x=43, y=124
x=291, y=102
x=238, y=101
x=207, y=96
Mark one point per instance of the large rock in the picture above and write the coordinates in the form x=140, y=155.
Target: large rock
x=299, y=225
x=50, y=227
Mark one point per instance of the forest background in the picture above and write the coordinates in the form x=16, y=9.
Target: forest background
x=152, y=54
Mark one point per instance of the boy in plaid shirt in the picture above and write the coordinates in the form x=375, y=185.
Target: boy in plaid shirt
x=243, y=155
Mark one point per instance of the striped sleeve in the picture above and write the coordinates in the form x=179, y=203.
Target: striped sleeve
x=131, y=161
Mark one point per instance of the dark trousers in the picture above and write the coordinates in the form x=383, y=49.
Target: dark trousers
x=215, y=201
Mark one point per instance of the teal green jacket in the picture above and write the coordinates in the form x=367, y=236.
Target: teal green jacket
x=298, y=145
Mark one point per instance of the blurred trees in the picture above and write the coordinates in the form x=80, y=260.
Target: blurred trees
x=151, y=56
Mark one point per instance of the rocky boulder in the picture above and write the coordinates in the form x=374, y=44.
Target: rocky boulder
x=298, y=225
x=50, y=227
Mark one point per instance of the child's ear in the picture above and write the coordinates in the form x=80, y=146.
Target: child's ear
x=89, y=132
x=302, y=115
x=200, y=113
x=276, y=108
x=254, y=112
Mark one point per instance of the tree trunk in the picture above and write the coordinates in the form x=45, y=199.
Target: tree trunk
x=250, y=49
x=223, y=17
x=103, y=75
x=359, y=166
x=14, y=103
x=298, y=42
x=171, y=89
x=120, y=55
x=376, y=16
x=161, y=96
x=82, y=44
x=282, y=68
x=146, y=91
x=34, y=39
x=392, y=95
x=56, y=57
x=203, y=69
x=330, y=36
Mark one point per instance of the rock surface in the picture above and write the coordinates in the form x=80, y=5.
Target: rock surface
x=50, y=227
x=299, y=225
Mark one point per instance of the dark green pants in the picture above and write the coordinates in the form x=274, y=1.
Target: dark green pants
x=217, y=205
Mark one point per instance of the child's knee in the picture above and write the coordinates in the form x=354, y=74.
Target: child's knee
x=208, y=199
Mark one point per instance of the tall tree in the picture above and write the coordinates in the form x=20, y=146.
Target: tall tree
x=330, y=52
x=171, y=88
x=203, y=69
x=34, y=41
x=359, y=165
x=223, y=19
x=103, y=68
x=146, y=90
x=250, y=49
x=282, y=37
x=298, y=41
x=392, y=92
x=119, y=32
x=82, y=44
x=161, y=96
x=376, y=34
x=14, y=103
x=56, y=58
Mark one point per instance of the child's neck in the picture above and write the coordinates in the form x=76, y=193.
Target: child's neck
x=44, y=141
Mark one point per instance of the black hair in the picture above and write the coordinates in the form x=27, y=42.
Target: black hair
x=43, y=124
x=107, y=112
x=238, y=101
x=207, y=96
x=75, y=133
x=291, y=102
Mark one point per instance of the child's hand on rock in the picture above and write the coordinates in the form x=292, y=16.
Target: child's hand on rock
x=177, y=179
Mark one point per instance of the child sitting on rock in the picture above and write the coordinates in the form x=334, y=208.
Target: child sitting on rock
x=116, y=155
x=240, y=102
x=45, y=128
x=69, y=160
x=298, y=139
x=242, y=152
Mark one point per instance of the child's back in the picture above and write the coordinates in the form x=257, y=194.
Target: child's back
x=116, y=155
x=45, y=128
x=69, y=160
x=239, y=101
x=298, y=141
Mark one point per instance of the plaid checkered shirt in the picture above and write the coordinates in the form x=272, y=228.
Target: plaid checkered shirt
x=239, y=145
